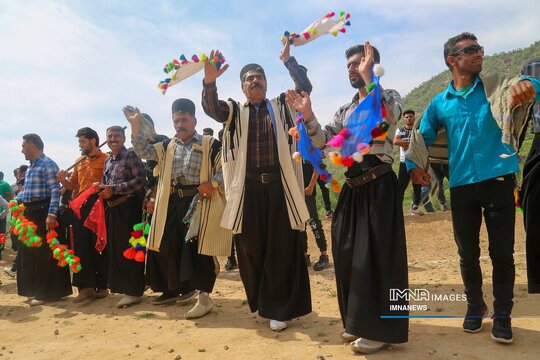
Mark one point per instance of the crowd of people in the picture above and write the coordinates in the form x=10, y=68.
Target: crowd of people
x=254, y=201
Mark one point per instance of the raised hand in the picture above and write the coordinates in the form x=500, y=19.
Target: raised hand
x=300, y=102
x=285, y=53
x=133, y=115
x=366, y=63
x=520, y=93
x=211, y=72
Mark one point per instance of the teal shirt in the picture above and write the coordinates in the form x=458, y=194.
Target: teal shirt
x=474, y=138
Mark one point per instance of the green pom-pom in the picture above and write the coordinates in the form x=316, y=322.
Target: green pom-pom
x=370, y=87
x=138, y=226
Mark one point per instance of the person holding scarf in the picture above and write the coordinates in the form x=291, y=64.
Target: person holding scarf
x=264, y=188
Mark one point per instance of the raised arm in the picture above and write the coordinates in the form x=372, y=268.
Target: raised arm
x=212, y=106
x=141, y=147
x=298, y=73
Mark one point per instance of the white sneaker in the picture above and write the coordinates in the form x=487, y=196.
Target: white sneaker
x=199, y=310
x=128, y=300
x=10, y=272
x=348, y=337
x=276, y=325
x=415, y=210
x=35, y=302
x=365, y=346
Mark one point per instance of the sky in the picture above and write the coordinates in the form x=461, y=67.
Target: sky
x=70, y=64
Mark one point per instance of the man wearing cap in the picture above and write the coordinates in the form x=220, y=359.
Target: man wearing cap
x=123, y=189
x=175, y=267
x=264, y=187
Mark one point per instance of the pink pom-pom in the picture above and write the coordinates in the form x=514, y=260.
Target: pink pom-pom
x=195, y=58
x=343, y=30
x=307, y=35
x=336, y=141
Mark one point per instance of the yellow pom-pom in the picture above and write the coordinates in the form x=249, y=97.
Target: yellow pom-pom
x=202, y=57
x=296, y=156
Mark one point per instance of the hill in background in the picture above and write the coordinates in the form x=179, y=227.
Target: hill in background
x=509, y=63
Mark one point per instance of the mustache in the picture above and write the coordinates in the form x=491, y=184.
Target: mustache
x=182, y=129
x=256, y=86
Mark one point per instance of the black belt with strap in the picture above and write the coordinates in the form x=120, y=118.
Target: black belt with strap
x=184, y=191
x=263, y=178
x=370, y=175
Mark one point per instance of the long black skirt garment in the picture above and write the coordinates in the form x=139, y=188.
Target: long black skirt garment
x=38, y=274
x=530, y=194
x=370, y=259
x=270, y=256
x=178, y=267
x=125, y=276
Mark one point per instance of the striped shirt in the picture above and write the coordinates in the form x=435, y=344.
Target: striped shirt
x=383, y=148
x=262, y=147
x=125, y=172
x=40, y=183
x=187, y=159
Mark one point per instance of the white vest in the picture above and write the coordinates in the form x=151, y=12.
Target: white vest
x=234, y=167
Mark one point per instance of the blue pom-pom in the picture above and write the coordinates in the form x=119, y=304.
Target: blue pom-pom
x=348, y=23
x=286, y=33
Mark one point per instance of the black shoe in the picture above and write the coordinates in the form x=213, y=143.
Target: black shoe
x=165, y=298
x=322, y=264
x=231, y=263
x=474, y=317
x=308, y=261
x=502, y=330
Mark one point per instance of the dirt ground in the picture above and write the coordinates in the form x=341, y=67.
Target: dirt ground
x=101, y=331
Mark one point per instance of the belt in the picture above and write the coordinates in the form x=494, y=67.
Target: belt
x=35, y=204
x=371, y=175
x=182, y=193
x=263, y=178
x=118, y=201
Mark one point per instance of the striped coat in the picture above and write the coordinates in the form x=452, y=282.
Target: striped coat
x=234, y=158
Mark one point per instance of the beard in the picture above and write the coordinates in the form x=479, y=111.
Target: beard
x=358, y=83
x=85, y=152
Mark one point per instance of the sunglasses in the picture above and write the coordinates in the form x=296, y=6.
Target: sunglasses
x=469, y=50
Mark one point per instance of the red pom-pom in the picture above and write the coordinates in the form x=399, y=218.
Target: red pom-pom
x=129, y=253
x=139, y=256
x=343, y=30
x=348, y=161
x=375, y=133
x=383, y=112
x=345, y=133
x=137, y=234
x=323, y=177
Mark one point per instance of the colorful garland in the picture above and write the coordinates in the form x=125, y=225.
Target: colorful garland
x=318, y=28
x=26, y=233
x=310, y=153
x=62, y=253
x=177, y=66
x=137, y=251
x=366, y=123
x=22, y=227
x=2, y=241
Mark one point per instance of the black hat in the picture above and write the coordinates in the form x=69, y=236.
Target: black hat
x=184, y=105
x=251, y=67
